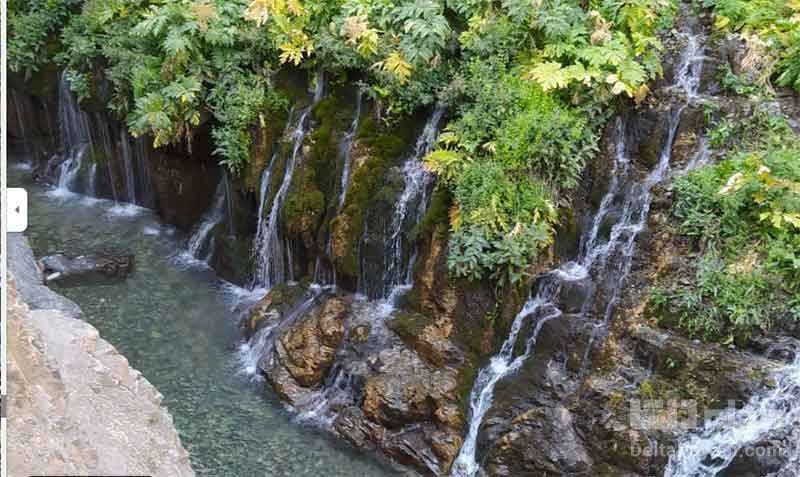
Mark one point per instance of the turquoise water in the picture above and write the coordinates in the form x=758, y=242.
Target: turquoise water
x=175, y=323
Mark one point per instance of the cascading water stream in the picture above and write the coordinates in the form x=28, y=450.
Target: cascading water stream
x=273, y=260
x=345, y=151
x=77, y=133
x=200, y=245
x=129, y=181
x=593, y=260
x=324, y=274
x=711, y=449
x=411, y=206
x=259, y=346
x=263, y=195
x=74, y=134
x=20, y=114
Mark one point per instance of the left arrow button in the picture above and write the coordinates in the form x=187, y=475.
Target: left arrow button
x=17, y=209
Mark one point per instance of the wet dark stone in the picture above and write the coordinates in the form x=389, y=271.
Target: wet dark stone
x=762, y=458
x=86, y=268
x=575, y=294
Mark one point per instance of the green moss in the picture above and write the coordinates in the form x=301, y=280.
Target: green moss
x=265, y=141
x=466, y=378
x=408, y=324
x=438, y=213
x=96, y=156
x=293, y=83
x=314, y=184
x=234, y=257
x=385, y=149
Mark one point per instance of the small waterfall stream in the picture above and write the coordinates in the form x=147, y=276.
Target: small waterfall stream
x=259, y=347
x=273, y=257
x=81, y=134
x=75, y=136
x=346, y=150
x=408, y=211
x=201, y=244
x=607, y=262
x=324, y=273
x=711, y=449
x=263, y=194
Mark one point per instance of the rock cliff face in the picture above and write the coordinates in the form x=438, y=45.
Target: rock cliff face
x=76, y=406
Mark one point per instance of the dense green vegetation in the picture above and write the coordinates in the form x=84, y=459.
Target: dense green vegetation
x=528, y=119
x=743, y=216
x=771, y=31
x=528, y=84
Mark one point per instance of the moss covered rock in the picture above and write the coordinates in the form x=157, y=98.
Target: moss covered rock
x=377, y=148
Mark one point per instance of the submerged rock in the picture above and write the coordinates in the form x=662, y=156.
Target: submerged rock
x=86, y=268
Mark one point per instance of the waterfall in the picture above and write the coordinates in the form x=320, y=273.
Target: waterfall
x=135, y=164
x=76, y=129
x=228, y=202
x=20, y=112
x=712, y=448
x=345, y=151
x=271, y=253
x=263, y=195
x=126, y=154
x=408, y=211
x=200, y=245
x=74, y=134
x=324, y=273
x=596, y=257
x=259, y=346
x=337, y=390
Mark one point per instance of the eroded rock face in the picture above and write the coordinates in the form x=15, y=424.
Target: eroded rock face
x=303, y=356
x=431, y=339
x=409, y=411
x=406, y=390
x=380, y=393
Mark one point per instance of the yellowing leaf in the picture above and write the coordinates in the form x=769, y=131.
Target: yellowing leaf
x=353, y=27
x=549, y=75
x=793, y=219
x=295, y=8
x=641, y=94
x=396, y=65
x=722, y=22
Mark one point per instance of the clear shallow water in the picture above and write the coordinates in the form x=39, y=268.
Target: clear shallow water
x=174, y=322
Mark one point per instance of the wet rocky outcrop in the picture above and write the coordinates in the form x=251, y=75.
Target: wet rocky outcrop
x=86, y=268
x=304, y=355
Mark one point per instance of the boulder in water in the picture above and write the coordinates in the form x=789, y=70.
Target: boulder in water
x=271, y=307
x=86, y=268
x=303, y=356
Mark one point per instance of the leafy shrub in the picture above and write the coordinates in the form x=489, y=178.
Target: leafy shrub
x=722, y=303
x=500, y=223
x=30, y=24
x=772, y=33
x=744, y=214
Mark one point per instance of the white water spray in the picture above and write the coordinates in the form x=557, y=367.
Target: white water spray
x=270, y=248
x=408, y=211
x=711, y=449
x=200, y=245
x=593, y=259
